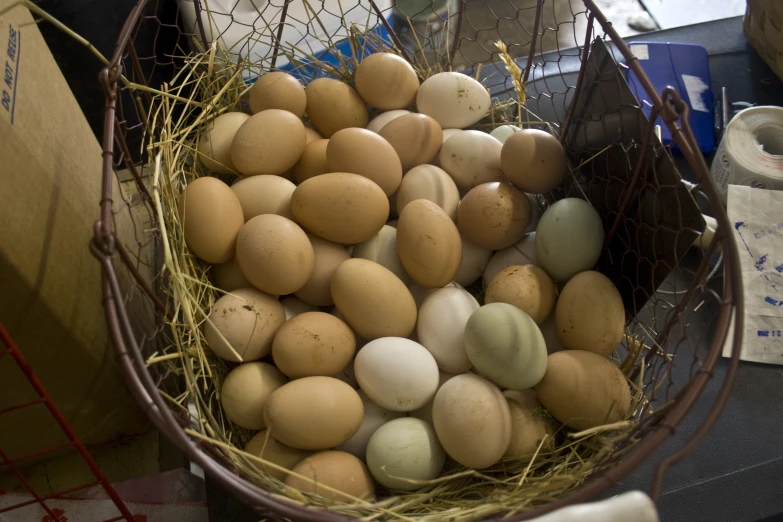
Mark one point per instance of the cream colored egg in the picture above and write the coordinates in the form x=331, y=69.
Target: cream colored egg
x=386, y=81
x=527, y=287
x=532, y=430
x=471, y=158
x=313, y=343
x=425, y=412
x=383, y=118
x=441, y=324
x=333, y=105
x=277, y=90
x=534, y=161
x=522, y=253
x=431, y=183
x=313, y=161
x=270, y=142
x=211, y=217
x=294, y=306
x=264, y=446
x=229, y=277
x=333, y=474
x=362, y=152
x=474, y=261
x=382, y=249
x=328, y=256
x=374, y=418
x=453, y=99
x=264, y=195
x=214, y=145
x=245, y=391
x=416, y=138
x=494, y=215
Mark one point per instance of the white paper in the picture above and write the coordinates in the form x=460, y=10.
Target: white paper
x=641, y=51
x=756, y=216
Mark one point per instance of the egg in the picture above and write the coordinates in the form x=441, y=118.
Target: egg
x=420, y=293
x=416, y=138
x=211, y=217
x=503, y=132
x=472, y=420
x=228, y=276
x=428, y=244
x=474, y=261
x=386, y=81
x=312, y=135
x=506, y=346
x=430, y=183
x=264, y=195
x=374, y=418
x=277, y=90
x=362, y=152
x=333, y=474
x=340, y=207
x=403, y=452
x=425, y=412
x=590, y=315
x=245, y=391
x=549, y=331
x=294, y=306
x=328, y=256
x=525, y=286
x=242, y=324
x=373, y=301
x=397, y=374
x=333, y=105
x=314, y=413
x=530, y=426
x=377, y=123
x=534, y=161
x=442, y=319
x=313, y=343
x=569, y=238
x=584, y=390
x=471, y=158
x=453, y=99
x=214, y=144
x=382, y=248
x=494, y=215
x=313, y=161
x=522, y=253
x=264, y=446
x=269, y=142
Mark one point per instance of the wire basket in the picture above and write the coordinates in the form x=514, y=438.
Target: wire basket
x=572, y=69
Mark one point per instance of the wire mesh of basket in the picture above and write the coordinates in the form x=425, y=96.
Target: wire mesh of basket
x=572, y=66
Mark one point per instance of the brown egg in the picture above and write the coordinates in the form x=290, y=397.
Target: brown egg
x=340, y=207
x=314, y=413
x=372, y=300
x=312, y=135
x=386, y=81
x=525, y=286
x=428, y=243
x=263, y=445
x=432, y=183
x=534, y=161
x=416, y=138
x=245, y=391
x=229, y=277
x=264, y=195
x=313, y=161
x=270, y=142
x=529, y=425
x=278, y=90
x=333, y=474
x=494, y=215
x=211, y=216
x=313, y=343
x=328, y=257
x=242, y=324
x=333, y=105
x=214, y=145
x=275, y=254
x=589, y=314
x=363, y=152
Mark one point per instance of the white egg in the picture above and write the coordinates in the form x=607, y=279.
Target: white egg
x=382, y=248
x=503, y=132
x=441, y=324
x=294, y=306
x=523, y=253
x=471, y=158
x=383, y=118
x=374, y=418
x=453, y=99
x=474, y=261
x=425, y=412
x=396, y=373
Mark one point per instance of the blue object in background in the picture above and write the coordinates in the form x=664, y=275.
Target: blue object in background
x=686, y=68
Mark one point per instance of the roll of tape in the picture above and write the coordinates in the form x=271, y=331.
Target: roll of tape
x=751, y=151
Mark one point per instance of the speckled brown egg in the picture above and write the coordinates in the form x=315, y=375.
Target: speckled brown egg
x=211, y=216
x=527, y=287
x=363, y=152
x=340, y=207
x=275, y=254
x=214, y=145
x=264, y=195
x=313, y=161
x=313, y=343
x=270, y=142
x=328, y=256
x=333, y=105
x=264, y=446
x=386, y=81
x=245, y=391
x=494, y=215
x=333, y=474
x=278, y=90
x=432, y=183
x=534, y=161
x=416, y=138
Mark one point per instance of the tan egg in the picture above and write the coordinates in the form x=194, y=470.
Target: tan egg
x=229, y=277
x=428, y=243
x=382, y=248
x=431, y=183
x=278, y=90
x=242, y=324
x=333, y=105
x=362, y=152
x=494, y=215
x=211, y=216
x=416, y=138
x=340, y=207
x=584, y=390
x=471, y=158
x=270, y=142
x=377, y=123
x=372, y=300
x=527, y=287
x=245, y=391
x=264, y=195
x=386, y=81
x=333, y=474
x=531, y=426
x=314, y=413
x=590, y=315
x=534, y=161
x=264, y=446
x=214, y=145
x=312, y=135
x=328, y=257
x=313, y=161
x=313, y=343
x=275, y=254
